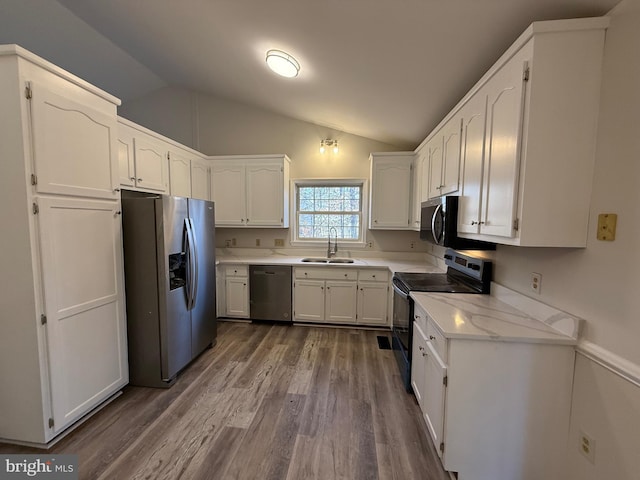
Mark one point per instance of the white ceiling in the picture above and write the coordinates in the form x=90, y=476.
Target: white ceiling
x=383, y=69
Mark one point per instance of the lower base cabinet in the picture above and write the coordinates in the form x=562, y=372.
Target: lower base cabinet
x=236, y=291
x=340, y=295
x=493, y=409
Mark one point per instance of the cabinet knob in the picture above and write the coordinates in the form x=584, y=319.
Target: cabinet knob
x=139, y=179
x=116, y=190
x=373, y=276
x=119, y=212
x=247, y=220
x=133, y=179
x=473, y=222
x=431, y=337
x=345, y=274
x=375, y=221
x=417, y=316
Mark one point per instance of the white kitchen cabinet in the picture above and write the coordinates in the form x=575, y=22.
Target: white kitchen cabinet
x=86, y=338
x=391, y=182
x=72, y=143
x=236, y=291
x=251, y=191
x=179, y=173
x=62, y=310
x=444, y=159
x=142, y=158
x=494, y=409
x=373, y=297
x=474, y=114
x=341, y=295
x=539, y=138
x=419, y=185
x=200, y=179
x=340, y=301
x=309, y=300
x=322, y=294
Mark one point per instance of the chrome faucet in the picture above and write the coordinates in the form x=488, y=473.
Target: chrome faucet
x=332, y=250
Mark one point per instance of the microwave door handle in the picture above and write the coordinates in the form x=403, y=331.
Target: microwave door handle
x=433, y=224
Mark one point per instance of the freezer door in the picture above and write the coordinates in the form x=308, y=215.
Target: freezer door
x=203, y=313
x=175, y=319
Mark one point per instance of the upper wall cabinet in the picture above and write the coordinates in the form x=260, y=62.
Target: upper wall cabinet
x=73, y=143
x=419, y=184
x=142, y=158
x=391, y=182
x=528, y=138
x=152, y=163
x=251, y=190
x=444, y=159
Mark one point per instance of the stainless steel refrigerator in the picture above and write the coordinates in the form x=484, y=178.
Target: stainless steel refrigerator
x=170, y=284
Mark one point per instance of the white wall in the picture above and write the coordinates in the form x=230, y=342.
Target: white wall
x=601, y=283
x=217, y=126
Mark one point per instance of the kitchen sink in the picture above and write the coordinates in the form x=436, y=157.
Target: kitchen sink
x=327, y=260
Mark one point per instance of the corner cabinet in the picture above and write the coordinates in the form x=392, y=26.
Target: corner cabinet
x=528, y=138
x=63, y=346
x=251, y=191
x=391, y=187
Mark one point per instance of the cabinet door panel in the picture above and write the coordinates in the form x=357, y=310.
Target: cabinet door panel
x=502, y=149
x=126, y=161
x=179, y=174
x=151, y=164
x=200, y=180
x=308, y=298
x=435, y=166
x=390, y=196
x=81, y=255
x=372, y=303
x=340, y=302
x=418, y=365
x=228, y=191
x=265, y=195
x=237, y=297
x=473, y=130
x=451, y=156
x=435, y=372
x=74, y=146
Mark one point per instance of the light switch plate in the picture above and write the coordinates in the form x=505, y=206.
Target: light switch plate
x=607, y=226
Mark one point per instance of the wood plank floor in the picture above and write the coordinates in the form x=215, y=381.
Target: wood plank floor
x=268, y=402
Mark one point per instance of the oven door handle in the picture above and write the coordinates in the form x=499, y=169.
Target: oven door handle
x=399, y=292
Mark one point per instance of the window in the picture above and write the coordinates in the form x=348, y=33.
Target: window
x=329, y=206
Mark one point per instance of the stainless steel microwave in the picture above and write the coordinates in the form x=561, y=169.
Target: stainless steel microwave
x=439, y=225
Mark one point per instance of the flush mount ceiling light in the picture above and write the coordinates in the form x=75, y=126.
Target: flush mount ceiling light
x=282, y=63
x=328, y=143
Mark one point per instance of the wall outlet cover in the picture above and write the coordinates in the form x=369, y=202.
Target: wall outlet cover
x=607, y=226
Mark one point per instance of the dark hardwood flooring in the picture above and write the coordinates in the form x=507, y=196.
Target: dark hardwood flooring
x=268, y=402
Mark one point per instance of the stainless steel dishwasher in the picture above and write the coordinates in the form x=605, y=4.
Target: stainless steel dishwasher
x=270, y=292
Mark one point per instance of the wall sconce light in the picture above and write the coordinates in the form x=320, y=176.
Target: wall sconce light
x=328, y=143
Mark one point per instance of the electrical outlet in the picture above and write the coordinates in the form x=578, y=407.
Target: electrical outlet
x=370, y=244
x=227, y=243
x=257, y=242
x=536, y=282
x=587, y=446
x=413, y=244
x=278, y=242
x=233, y=242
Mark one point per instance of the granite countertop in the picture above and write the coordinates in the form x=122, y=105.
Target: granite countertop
x=488, y=317
x=393, y=264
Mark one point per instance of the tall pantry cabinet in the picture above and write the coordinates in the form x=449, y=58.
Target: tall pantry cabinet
x=62, y=321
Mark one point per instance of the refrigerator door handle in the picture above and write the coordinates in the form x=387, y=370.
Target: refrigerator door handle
x=193, y=243
x=188, y=239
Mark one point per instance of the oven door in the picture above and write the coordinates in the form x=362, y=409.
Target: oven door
x=402, y=334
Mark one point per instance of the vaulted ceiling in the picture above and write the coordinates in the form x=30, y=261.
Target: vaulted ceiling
x=383, y=69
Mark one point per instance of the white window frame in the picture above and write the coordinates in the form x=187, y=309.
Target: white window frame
x=364, y=211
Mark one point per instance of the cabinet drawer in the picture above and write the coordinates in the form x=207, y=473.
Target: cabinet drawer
x=326, y=273
x=373, y=275
x=236, y=271
x=438, y=340
x=420, y=317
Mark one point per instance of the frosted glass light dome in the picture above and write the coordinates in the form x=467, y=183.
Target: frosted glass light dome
x=282, y=63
